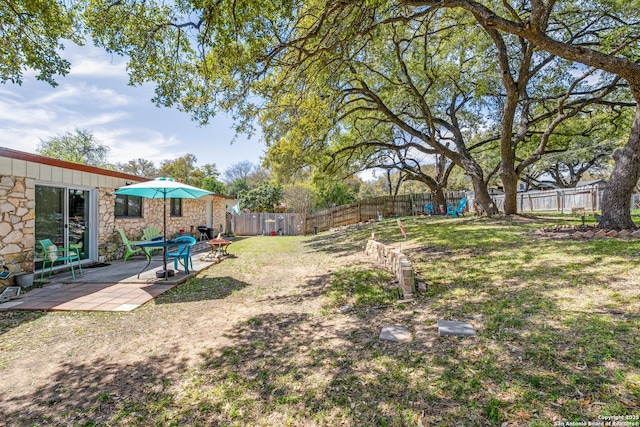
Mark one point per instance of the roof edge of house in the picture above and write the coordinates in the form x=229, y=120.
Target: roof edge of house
x=36, y=158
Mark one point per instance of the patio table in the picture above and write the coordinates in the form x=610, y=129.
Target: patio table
x=160, y=244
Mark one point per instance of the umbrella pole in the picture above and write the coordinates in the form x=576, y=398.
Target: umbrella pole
x=164, y=231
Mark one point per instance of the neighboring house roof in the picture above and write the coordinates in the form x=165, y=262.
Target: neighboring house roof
x=592, y=182
x=543, y=185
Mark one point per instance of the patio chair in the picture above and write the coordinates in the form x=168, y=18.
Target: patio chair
x=4, y=273
x=183, y=252
x=458, y=210
x=52, y=254
x=129, y=247
x=150, y=234
x=462, y=204
x=428, y=209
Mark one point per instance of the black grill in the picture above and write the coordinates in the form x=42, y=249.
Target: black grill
x=205, y=232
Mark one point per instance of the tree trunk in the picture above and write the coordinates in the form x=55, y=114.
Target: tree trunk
x=616, y=202
x=508, y=174
x=438, y=198
x=482, y=197
x=510, y=187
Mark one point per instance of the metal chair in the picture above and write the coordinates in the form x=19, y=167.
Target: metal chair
x=52, y=254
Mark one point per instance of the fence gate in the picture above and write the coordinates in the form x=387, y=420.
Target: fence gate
x=262, y=224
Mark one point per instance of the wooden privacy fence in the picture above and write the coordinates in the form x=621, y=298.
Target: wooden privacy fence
x=256, y=224
x=385, y=206
x=290, y=224
x=566, y=200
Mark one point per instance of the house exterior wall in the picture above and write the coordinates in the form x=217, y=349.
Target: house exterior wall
x=219, y=214
x=21, y=172
x=17, y=221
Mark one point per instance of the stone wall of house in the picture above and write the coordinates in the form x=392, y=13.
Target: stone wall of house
x=219, y=214
x=17, y=223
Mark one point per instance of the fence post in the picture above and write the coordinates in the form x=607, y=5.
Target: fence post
x=411, y=204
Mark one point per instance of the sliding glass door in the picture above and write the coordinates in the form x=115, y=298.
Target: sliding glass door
x=62, y=216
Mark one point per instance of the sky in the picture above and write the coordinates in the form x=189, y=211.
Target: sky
x=95, y=96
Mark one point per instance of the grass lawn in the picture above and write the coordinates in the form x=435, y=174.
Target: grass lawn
x=557, y=322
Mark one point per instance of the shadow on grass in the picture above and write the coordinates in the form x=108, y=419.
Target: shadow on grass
x=532, y=361
x=201, y=288
x=100, y=392
x=313, y=288
x=290, y=369
x=13, y=319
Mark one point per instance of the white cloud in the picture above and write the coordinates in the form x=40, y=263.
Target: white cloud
x=20, y=114
x=98, y=65
x=130, y=143
x=82, y=93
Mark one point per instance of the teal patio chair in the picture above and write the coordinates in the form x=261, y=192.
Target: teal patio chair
x=53, y=254
x=458, y=210
x=462, y=204
x=183, y=252
x=451, y=210
x=428, y=209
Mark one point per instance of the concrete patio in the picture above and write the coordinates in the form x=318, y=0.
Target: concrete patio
x=114, y=287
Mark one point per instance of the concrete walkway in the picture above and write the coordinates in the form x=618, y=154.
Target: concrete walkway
x=115, y=287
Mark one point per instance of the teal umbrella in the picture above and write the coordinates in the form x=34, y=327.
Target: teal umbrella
x=163, y=188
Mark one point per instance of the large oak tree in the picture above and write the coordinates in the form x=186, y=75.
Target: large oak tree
x=601, y=34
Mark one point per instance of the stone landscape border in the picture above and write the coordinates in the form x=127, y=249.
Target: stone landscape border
x=576, y=232
x=396, y=262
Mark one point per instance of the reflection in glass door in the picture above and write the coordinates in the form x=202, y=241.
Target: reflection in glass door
x=62, y=216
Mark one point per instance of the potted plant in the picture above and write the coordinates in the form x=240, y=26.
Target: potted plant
x=24, y=279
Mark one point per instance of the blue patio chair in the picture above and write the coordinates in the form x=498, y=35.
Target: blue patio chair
x=428, y=209
x=462, y=204
x=182, y=252
x=458, y=210
x=53, y=254
x=4, y=273
x=451, y=210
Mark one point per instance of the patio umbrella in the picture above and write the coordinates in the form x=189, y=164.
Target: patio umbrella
x=163, y=188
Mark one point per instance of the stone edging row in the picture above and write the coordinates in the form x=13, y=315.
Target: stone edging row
x=396, y=262
x=572, y=231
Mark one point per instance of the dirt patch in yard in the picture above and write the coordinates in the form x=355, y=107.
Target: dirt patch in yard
x=51, y=362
